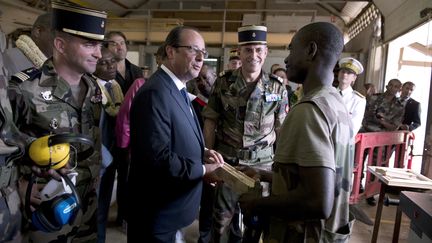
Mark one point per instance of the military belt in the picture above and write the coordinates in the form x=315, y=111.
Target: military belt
x=8, y=174
x=245, y=154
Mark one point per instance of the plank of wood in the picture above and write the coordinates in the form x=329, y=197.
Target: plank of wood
x=235, y=179
x=413, y=180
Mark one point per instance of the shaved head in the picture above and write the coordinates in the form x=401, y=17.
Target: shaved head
x=327, y=37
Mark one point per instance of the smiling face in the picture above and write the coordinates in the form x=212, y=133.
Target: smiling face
x=79, y=54
x=185, y=62
x=252, y=57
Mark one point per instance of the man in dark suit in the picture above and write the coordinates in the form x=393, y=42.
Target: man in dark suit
x=167, y=147
x=411, y=118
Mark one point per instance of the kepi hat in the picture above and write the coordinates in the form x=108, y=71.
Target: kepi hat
x=351, y=64
x=76, y=20
x=252, y=35
x=233, y=54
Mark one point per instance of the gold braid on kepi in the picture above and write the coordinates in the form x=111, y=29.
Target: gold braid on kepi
x=75, y=20
x=252, y=34
x=351, y=64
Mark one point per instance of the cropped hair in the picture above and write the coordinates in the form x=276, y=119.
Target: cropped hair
x=409, y=83
x=174, y=37
x=114, y=33
x=327, y=36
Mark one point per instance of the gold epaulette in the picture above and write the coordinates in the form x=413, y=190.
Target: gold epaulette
x=359, y=94
x=27, y=74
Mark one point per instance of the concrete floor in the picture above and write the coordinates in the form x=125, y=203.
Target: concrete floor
x=361, y=233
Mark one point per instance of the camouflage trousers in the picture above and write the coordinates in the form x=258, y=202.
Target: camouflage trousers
x=10, y=215
x=227, y=220
x=84, y=226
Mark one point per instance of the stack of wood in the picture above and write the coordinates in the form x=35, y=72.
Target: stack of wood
x=236, y=180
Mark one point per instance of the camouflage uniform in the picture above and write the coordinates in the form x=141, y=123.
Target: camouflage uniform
x=43, y=104
x=11, y=148
x=321, y=113
x=245, y=133
x=393, y=111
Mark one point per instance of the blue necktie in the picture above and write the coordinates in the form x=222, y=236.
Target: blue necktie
x=108, y=87
x=185, y=96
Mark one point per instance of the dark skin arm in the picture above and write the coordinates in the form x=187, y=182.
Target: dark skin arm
x=311, y=195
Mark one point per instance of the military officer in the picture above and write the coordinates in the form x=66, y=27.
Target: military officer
x=33, y=50
x=11, y=149
x=234, y=61
x=244, y=112
x=349, y=69
x=61, y=97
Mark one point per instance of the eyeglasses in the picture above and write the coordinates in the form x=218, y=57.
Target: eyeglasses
x=195, y=49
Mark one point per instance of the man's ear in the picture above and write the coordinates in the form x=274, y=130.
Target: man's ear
x=312, y=49
x=169, y=51
x=60, y=44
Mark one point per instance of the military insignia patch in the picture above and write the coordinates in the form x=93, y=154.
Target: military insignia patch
x=54, y=123
x=46, y=95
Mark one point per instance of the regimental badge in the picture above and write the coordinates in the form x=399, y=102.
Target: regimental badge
x=102, y=24
x=285, y=93
x=54, y=123
x=46, y=95
x=253, y=34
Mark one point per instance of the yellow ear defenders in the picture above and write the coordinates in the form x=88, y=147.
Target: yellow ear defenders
x=54, y=150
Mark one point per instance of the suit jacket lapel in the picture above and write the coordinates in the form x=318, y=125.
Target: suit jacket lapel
x=183, y=106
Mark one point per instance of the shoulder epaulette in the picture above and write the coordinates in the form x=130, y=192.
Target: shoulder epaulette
x=359, y=94
x=225, y=73
x=277, y=78
x=27, y=74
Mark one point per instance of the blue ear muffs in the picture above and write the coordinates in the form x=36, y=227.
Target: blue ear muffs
x=53, y=151
x=51, y=215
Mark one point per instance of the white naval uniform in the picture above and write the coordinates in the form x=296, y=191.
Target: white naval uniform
x=356, y=105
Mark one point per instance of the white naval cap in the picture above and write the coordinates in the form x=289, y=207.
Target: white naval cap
x=351, y=64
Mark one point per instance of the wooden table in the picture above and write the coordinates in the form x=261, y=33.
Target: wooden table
x=418, y=208
x=395, y=178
